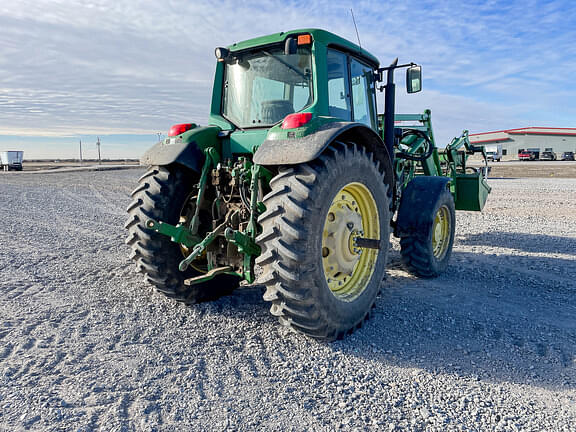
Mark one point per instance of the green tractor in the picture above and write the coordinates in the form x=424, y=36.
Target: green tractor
x=296, y=184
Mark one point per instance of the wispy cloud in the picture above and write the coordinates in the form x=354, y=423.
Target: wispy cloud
x=123, y=66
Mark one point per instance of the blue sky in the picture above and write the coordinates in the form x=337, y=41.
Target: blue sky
x=126, y=70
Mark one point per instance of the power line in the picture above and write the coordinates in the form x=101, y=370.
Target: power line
x=98, y=144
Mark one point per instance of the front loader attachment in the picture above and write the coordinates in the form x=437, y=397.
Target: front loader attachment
x=469, y=184
x=417, y=154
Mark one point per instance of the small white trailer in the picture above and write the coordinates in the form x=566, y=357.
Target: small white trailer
x=493, y=152
x=11, y=160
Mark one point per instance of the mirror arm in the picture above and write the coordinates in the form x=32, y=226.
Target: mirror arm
x=389, y=99
x=394, y=65
x=379, y=73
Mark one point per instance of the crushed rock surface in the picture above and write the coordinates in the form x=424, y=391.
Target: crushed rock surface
x=86, y=345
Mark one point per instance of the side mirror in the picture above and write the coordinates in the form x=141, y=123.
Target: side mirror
x=290, y=46
x=414, y=79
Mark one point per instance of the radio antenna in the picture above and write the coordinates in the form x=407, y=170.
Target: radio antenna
x=354, y=21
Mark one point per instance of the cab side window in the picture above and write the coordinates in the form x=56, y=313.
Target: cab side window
x=362, y=92
x=338, y=86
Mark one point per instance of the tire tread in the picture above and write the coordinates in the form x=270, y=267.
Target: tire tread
x=286, y=273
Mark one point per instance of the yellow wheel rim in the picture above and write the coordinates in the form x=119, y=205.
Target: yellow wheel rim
x=441, y=232
x=348, y=269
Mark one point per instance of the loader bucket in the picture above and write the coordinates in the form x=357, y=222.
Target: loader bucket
x=471, y=191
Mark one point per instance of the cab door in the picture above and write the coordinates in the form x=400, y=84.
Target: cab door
x=363, y=93
x=351, y=89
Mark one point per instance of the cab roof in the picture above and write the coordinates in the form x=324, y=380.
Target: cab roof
x=323, y=36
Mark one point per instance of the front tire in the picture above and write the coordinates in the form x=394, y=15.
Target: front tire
x=427, y=254
x=162, y=195
x=315, y=278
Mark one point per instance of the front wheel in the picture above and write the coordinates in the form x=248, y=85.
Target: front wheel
x=427, y=253
x=325, y=237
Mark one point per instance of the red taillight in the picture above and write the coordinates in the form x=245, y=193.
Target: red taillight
x=179, y=129
x=297, y=120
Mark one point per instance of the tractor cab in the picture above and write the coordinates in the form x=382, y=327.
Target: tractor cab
x=261, y=81
x=288, y=85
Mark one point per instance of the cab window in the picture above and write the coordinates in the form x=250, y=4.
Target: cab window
x=339, y=104
x=362, y=92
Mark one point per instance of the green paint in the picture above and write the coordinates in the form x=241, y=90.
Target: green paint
x=470, y=189
x=244, y=142
x=212, y=158
x=471, y=192
x=277, y=133
x=178, y=234
x=246, y=245
x=204, y=137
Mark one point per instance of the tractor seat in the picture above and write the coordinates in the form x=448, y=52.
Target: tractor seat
x=275, y=110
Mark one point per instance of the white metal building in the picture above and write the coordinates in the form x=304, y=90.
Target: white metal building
x=536, y=139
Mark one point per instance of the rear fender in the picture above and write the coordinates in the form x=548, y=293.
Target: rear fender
x=185, y=149
x=292, y=151
x=417, y=203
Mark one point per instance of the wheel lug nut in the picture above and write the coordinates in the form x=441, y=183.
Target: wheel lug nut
x=331, y=217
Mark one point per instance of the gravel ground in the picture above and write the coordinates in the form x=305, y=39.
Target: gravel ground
x=86, y=345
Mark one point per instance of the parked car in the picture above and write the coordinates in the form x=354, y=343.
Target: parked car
x=526, y=155
x=568, y=156
x=548, y=155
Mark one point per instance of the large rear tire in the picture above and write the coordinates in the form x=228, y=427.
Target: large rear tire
x=319, y=282
x=427, y=254
x=162, y=195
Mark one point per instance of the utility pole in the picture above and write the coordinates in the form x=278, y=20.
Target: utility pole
x=98, y=144
x=80, y=152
